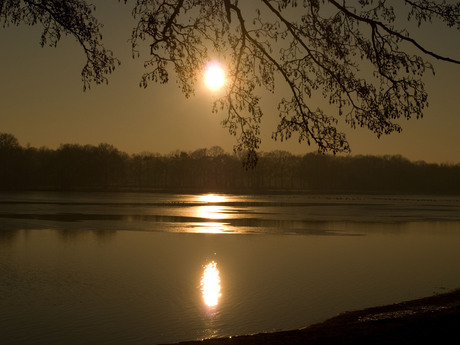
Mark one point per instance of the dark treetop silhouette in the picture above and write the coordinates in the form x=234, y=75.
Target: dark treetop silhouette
x=358, y=55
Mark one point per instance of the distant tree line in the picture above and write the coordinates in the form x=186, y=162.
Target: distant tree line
x=105, y=168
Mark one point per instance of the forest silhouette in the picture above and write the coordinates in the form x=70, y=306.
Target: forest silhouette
x=76, y=167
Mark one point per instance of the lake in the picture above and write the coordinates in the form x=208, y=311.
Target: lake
x=144, y=268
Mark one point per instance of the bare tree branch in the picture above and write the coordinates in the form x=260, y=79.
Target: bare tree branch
x=350, y=56
x=394, y=33
x=73, y=17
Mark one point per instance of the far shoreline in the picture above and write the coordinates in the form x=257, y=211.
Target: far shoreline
x=434, y=319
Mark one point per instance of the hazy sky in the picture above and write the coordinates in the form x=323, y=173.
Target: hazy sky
x=43, y=104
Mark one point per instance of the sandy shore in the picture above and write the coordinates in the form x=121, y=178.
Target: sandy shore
x=431, y=320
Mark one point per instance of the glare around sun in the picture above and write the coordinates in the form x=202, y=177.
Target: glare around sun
x=214, y=76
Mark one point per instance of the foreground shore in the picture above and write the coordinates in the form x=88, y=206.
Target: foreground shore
x=431, y=320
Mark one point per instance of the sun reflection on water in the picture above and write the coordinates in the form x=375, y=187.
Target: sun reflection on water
x=212, y=214
x=210, y=284
x=212, y=198
x=210, y=228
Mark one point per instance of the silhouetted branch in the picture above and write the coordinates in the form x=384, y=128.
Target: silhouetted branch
x=351, y=56
x=320, y=54
x=73, y=17
x=376, y=23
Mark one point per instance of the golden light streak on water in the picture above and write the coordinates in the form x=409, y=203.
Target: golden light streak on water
x=212, y=214
x=210, y=284
x=210, y=228
x=212, y=198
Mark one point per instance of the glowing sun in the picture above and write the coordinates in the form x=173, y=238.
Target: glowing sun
x=214, y=76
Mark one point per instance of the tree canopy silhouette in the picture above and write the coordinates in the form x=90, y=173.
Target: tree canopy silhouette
x=358, y=55
x=70, y=17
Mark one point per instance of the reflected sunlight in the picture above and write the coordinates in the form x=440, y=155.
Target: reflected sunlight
x=210, y=284
x=211, y=228
x=211, y=212
x=212, y=198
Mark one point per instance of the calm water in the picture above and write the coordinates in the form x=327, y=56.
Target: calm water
x=130, y=268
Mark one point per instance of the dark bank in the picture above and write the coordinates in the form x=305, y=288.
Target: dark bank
x=430, y=320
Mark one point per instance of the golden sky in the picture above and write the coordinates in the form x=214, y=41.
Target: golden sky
x=43, y=103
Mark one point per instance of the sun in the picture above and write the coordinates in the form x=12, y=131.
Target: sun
x=214, y=76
